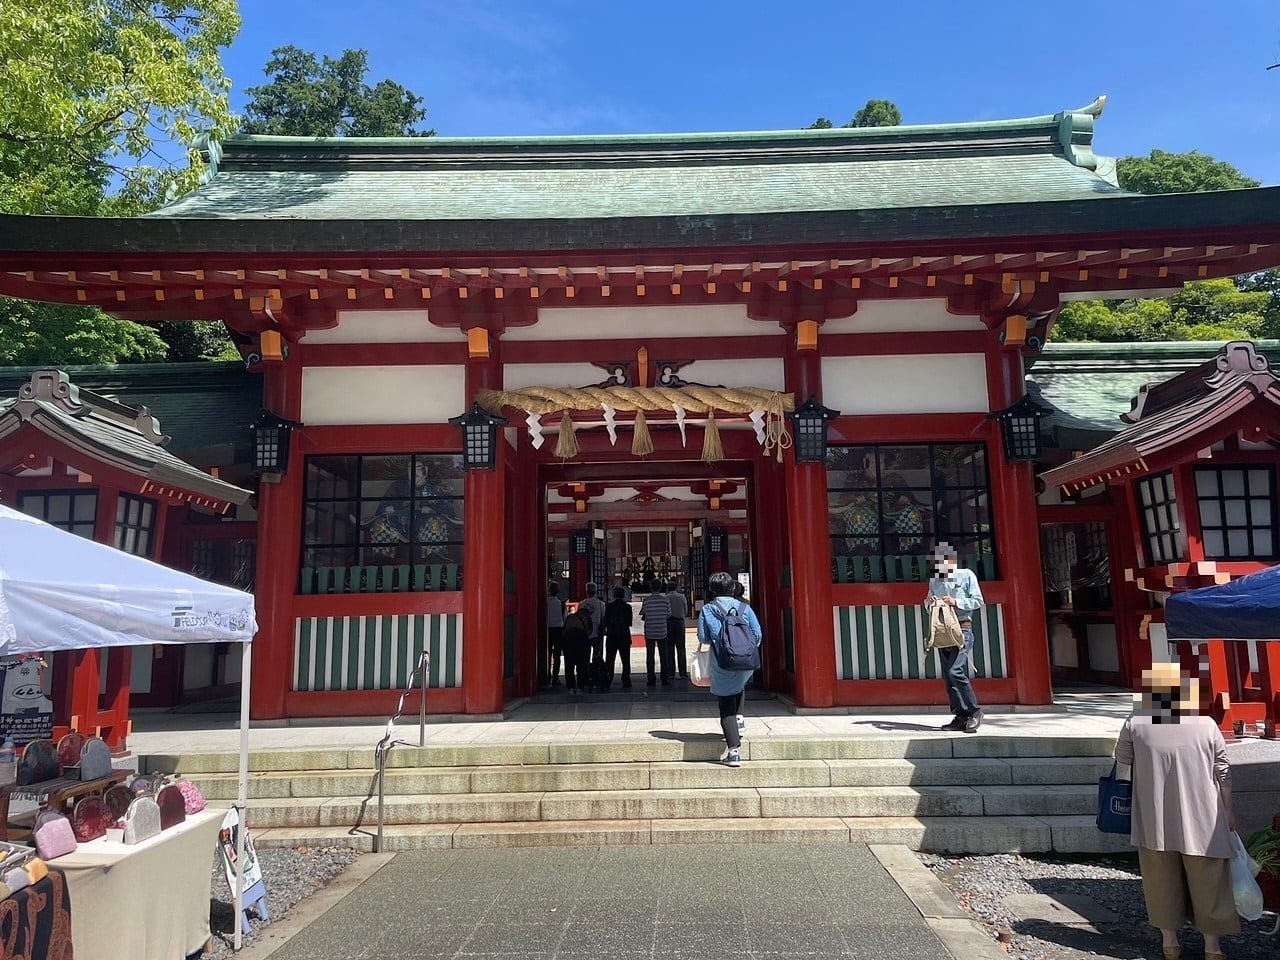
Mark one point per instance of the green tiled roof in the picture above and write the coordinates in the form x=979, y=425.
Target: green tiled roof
x=200, y=405
x=665, y=175
x=1089, y=385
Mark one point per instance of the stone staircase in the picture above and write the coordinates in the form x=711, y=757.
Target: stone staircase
x=962, y=794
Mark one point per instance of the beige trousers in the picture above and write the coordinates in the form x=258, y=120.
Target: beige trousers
x=1179, y=887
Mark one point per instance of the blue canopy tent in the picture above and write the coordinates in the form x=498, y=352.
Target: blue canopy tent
x=1244, y=609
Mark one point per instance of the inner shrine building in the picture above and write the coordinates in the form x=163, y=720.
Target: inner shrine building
x=795, y=356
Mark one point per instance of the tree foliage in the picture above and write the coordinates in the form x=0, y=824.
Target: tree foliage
x=874, y=113
x=1223, y=309
x=94, y=95
x=326, y=97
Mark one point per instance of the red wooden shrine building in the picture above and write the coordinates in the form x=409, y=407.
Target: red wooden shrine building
x=559, y=288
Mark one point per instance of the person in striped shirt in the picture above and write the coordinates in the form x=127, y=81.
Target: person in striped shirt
x=654, y=611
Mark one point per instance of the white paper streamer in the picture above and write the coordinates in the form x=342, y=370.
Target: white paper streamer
x=610, y=425
x=680, y=423
x=535, y=430
x=757, y=420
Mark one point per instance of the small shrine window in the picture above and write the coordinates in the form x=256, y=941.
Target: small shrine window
x=889, y=504
x=1237, y=512
x=75, y=511
x=1158, y=507
x=135, y=519
x=382, y=523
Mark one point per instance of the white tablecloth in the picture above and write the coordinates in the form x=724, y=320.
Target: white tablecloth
x=148, y=901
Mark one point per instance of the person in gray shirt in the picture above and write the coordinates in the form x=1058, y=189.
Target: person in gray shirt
x=595, y=610
x=654, y=611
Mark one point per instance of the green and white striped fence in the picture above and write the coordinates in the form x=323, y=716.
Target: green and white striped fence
x=887, y=643
x=375, y=653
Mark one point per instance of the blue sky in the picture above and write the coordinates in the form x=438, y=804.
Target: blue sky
x=1190, y=77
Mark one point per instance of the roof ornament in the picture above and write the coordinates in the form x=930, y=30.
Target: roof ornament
x=1239, y=358
x=50, y=386
x=210, y=151
x=1075, y=134
x=149, y=427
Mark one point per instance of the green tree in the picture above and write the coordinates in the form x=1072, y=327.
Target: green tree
x=327, y=97
x=94, y=95
x=1223, y=309
x=874, y=113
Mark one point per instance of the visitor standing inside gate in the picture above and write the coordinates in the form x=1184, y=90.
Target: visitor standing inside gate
x=675, y=629
x=595, y=610
x=555, y=631
x=721, y=625
x=957, y=588
x=617, y=635
x=654, y=611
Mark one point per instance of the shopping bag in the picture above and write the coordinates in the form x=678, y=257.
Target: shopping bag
x=1115, y=803
x=944, y=626
x=700, y=667
x=1244, y=888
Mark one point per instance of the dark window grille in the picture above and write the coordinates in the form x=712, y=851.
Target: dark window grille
x=135, y=519
x=75, y=511
x=382, y=523
x=889, y=505
x=1158, y=508
x=229, y=562
x=1237, y=512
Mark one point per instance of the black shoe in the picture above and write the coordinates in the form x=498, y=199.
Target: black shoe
x=626, y=684
x=973, y=722
x=666, y=683
x=956, y=725
x=651, y=682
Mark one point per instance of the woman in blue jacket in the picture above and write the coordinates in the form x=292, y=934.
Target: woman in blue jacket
x=726, y=685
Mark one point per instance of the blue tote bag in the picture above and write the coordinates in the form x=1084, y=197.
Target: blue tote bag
x=1115, y=803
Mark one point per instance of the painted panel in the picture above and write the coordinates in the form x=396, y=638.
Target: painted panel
x=518, y=375
x=384, y=326
x=407, y=394
x=593, y=323
x=765, y=372
x=1104, y=651
x=893, y=316
x=375, y=653
x=887, y=643
x=928, y=383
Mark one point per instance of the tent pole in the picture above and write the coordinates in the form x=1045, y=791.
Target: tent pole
x=242, y=791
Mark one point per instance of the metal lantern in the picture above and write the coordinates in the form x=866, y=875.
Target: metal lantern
x=809, y=422
x=1020, y=427
x=271, y=443
x=479, y=437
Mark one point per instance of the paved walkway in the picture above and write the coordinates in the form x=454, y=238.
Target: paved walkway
x=610, y=718
x=709, y=902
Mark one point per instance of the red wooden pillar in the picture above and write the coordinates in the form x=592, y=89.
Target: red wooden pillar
x=810, y=543
x=527, y=564
x=483, y=532
x=1018, y=538
x=1269, y=667
x=1131, y=547
x=769, y=545
x=279, y=538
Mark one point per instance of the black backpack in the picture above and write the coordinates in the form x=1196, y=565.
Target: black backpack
x=577, y=626
x=737, y=649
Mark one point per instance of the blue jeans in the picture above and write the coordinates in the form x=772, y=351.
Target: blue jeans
x=955, y=673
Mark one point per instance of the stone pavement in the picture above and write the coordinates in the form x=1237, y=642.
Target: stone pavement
x=705, y=901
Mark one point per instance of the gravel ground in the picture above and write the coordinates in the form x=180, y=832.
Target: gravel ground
x=982, y=883
x=290, y=875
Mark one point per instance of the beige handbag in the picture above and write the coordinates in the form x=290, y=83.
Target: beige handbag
x=944, y=626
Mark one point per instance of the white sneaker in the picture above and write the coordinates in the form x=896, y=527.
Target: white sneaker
x=734, y=759
x=742, y=724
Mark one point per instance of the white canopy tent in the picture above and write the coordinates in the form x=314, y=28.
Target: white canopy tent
x=59, y=591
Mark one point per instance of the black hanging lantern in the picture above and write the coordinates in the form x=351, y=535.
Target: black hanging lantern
x=809, y=424
x=479, y=437
x=271, y=443
x=1020, y=427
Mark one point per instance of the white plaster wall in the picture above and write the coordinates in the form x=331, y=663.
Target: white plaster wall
x=517, y=375
x=1062, y=644
x=408, y=394
x=384, y=326
x=892, y=316
x=1104, y=650
x=767, y=372
x=139, y=670
x=926, y=383
x=611, y=323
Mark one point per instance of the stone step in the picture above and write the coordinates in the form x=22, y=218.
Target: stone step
x=661, y=775
x=1062, y=834
x=935, y=746
x=703, y=803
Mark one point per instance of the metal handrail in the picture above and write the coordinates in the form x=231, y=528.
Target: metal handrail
x=388, y=741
